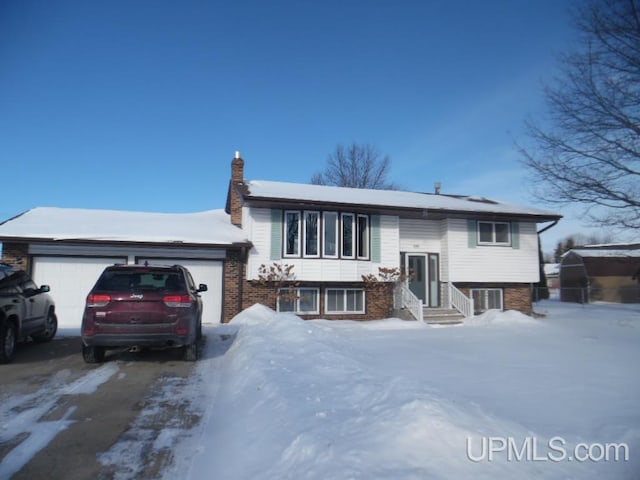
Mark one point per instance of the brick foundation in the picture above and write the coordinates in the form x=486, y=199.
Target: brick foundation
x=516, y=296
x=379, y=298
x=16, y=254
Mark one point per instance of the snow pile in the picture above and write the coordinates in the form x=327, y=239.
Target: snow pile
x=496, y=317
x=289, y=398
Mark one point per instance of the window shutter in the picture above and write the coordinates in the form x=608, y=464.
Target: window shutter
x=376, y=241
x=472, y=229
x=276, y=233
x=515, y=235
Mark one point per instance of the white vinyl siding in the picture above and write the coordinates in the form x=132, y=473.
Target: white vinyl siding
x=480, y=263
x=257, y=226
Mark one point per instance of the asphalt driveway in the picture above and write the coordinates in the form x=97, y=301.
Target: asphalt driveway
x=61, y=418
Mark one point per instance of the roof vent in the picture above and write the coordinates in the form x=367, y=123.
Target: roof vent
x=438, y=187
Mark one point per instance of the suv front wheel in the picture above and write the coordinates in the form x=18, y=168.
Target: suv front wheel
x=8, y=341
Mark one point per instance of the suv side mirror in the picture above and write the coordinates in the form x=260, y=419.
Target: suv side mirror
x=202, y=288
x=44, y=289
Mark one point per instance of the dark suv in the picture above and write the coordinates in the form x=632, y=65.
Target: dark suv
x=25, y=311
x=142, y=306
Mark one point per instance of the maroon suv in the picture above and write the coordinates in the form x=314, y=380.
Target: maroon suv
x=142, y=306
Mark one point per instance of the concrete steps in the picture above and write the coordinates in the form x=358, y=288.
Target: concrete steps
x=442, y=316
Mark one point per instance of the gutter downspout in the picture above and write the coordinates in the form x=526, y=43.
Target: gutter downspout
x=555, y=222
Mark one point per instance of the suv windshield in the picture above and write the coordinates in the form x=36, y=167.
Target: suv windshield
x=130, y=281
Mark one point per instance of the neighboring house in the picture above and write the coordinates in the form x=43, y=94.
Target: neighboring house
x=468, y=253
x=457, y=248
x=609, y=273
x=68, y=248
x=552, y=272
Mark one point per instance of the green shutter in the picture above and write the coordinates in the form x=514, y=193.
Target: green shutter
x=472, y=229
x=376, y=242
x=515, y=235
x=276, y=233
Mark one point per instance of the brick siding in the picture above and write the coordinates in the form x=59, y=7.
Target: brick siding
x=16, y=254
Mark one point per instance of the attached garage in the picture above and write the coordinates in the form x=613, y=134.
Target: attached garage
x=202, y=271
x=70, y=279
x=67, y=249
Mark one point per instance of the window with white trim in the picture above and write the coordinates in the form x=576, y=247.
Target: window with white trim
x=487, y=299
x=348, y=235
x=314, y=234
x=344, y=300
x=330, y=234
x=494, y=233
x=311, y=234
x=363, y=236
x=291, y=233
x=299, y=300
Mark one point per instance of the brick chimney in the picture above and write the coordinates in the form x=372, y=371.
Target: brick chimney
x=235, y=188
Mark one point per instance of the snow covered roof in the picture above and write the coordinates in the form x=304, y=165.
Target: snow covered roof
x=552, y=269
x=211, y=227
x=268, y=190
x=606, y=252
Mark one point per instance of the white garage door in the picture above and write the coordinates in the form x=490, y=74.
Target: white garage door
x=70, y=279
x=202, y=271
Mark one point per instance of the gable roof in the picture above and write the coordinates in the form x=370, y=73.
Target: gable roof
x=282, y=192
x=211, y=227
x=620, y=250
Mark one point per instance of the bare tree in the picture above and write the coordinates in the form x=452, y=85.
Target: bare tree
x=357, y=166
x=589, y=154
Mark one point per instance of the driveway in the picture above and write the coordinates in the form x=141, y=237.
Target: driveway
x=62, y=418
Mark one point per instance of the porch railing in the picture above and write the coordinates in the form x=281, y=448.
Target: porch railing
x=404, y=298
x=460, y=301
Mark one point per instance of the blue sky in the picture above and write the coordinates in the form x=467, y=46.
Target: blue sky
x=140, y=105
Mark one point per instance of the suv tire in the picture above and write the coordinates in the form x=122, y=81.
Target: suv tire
x=191, y=352
x=93, y=354
x=8, y=340
x=51, y=327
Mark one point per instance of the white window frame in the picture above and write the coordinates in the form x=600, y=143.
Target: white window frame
x=285, y=237
x=365, y=244
x=344, y=293
x=484, y=292
x=304, y=234
x=316, y=294
x=336, y=240
x=493, y=240
x=354, y=227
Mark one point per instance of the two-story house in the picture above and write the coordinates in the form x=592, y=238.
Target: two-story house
x=469, y=253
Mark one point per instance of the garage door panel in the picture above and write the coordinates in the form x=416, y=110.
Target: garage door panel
x=70, y=279
x=202, y=271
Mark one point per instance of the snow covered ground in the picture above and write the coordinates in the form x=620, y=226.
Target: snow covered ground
x=505, y=396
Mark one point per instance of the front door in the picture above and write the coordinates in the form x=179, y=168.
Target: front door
x=424, y=277
x=417, y=266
